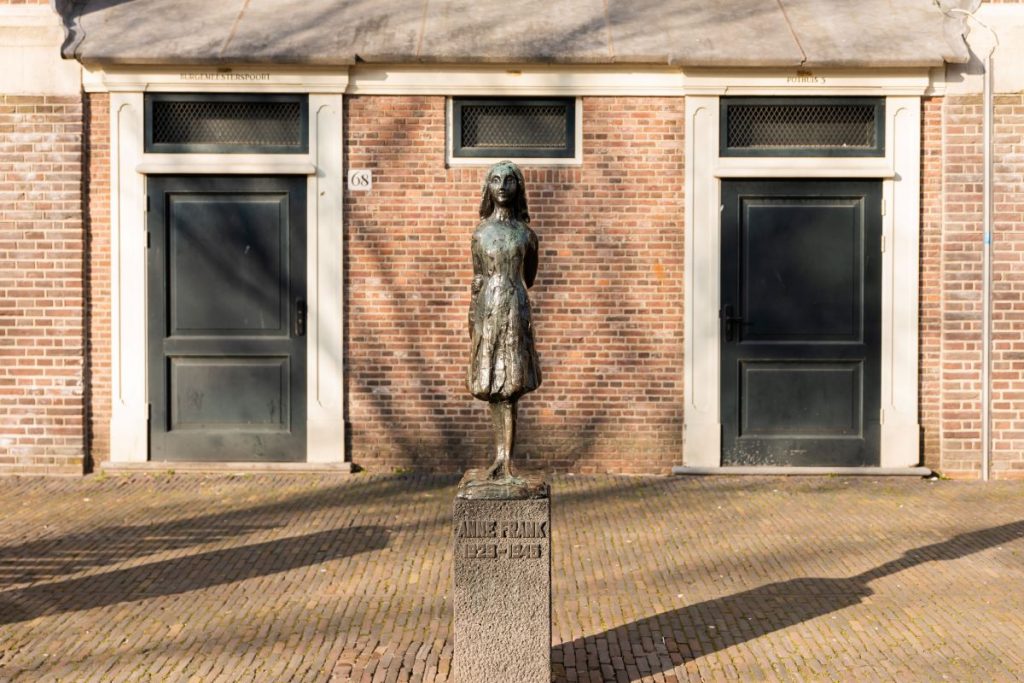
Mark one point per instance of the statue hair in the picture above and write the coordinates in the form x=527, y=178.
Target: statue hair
x=520, y=212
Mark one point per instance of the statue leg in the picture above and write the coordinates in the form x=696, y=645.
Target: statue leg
x=498, y=429
x=503, y=419
x=510, y=410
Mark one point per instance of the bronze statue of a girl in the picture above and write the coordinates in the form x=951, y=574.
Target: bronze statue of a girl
x=503, y=362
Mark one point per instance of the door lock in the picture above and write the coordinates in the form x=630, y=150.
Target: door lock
x=729, y=321
x=300, y=317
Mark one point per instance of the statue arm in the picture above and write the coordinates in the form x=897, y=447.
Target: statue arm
x=530, y=260
x=477, y=285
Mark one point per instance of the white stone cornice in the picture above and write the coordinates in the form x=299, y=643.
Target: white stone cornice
x=513, y=80
x=215, y=79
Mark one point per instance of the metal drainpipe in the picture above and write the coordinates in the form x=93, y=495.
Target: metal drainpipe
x=986, y=259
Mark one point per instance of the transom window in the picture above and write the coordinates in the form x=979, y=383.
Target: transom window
x=802, y=126
x=226, y=123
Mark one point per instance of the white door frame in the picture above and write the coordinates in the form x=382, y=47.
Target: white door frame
x=899, y=172
x=129, y=423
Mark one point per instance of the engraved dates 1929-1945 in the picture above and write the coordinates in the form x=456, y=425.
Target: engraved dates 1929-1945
x=492, y=529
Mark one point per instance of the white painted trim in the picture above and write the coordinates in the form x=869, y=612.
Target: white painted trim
x=702, y=445
x=452, y=160
x=129, y=420
x=899, y=171
x=215, y=79
x=510, y=80
x=530, y=80
x=227, y=164
x=818, y=82
x=937, y=87
x=584, y=80
x=801, y=167
x=901, y=228
x=325, y=426
x=129, y=424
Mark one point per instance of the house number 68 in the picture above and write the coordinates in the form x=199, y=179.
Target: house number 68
x=360, y=180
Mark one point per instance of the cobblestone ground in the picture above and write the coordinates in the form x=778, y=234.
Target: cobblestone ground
x=320, y=578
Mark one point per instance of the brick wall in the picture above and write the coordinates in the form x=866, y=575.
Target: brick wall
x=41, y=291
x=97, y=275
x=960, y=426
x=608, y=300
x=951, y=286
x=1008, y=288
x=930, y=312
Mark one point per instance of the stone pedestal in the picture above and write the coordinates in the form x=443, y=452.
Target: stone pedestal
x=502, y=579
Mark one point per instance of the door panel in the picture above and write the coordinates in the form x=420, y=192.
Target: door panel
x=801, y=322
x=800, y=266
x=800, y=398
x=223, y=393
x=227, y=284
x=231, y=244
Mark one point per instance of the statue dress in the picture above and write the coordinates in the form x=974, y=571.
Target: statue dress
x=503, y=359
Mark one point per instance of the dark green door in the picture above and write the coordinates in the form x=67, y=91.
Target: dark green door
x=227, y=290
x=801, y=322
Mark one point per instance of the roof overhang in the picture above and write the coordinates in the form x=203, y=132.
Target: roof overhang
x=809, y=34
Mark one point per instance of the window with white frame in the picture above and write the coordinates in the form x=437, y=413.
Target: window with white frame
x=514, y=127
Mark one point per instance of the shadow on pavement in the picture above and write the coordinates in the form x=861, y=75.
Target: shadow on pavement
x=55, y=557
x=183, y=574
x=662, y=642
x=46, y=562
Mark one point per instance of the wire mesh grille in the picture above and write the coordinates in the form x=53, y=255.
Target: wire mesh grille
x=802, y=126
x=249, y=124
x=515, y=126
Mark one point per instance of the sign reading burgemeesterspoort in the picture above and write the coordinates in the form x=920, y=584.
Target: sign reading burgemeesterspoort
x=230, y=76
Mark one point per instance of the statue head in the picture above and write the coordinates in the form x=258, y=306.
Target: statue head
x=518, y=206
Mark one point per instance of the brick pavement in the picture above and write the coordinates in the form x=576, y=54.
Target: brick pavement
x=321, y=577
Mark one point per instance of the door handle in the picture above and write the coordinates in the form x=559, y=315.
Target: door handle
x=300, y=317
x=729, y=321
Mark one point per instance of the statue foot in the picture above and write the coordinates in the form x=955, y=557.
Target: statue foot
x=500, y=469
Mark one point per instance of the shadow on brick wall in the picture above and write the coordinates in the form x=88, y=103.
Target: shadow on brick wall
x=606, y=306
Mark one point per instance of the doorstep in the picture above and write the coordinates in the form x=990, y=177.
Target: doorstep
x=226, y=467
x=808, y=471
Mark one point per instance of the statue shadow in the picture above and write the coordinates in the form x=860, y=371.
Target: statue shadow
x=34, y=574
x=184, y=574
x=662, y=642
x=46, y=558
